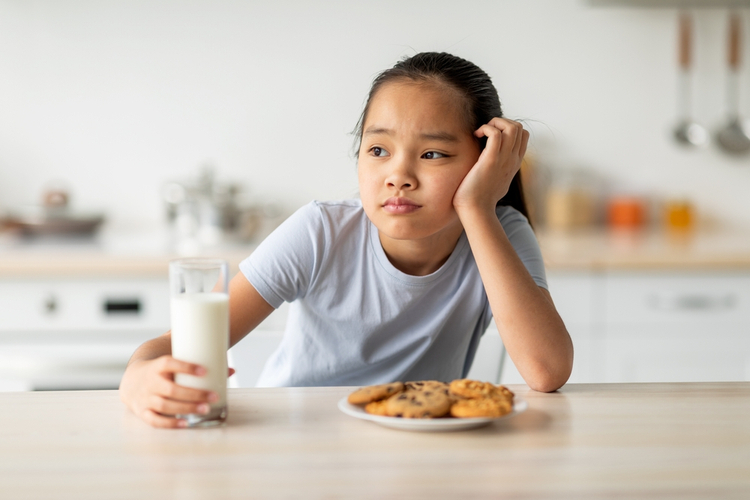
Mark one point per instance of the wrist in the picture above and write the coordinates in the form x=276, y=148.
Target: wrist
x=476, y=212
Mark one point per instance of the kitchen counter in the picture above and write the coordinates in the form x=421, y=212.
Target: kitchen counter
x=665, y=441
x=110, y=254
x=147, y=255
x=602, y=249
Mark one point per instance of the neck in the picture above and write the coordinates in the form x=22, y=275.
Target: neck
x=424, y=256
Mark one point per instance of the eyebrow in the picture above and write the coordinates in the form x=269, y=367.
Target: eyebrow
x=433, y=136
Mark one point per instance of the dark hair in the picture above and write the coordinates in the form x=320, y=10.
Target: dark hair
x=480, y=96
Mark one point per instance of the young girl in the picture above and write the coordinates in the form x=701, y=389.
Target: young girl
x=401, y=284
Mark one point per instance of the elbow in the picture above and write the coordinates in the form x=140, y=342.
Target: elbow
x=547, y=385
x=550, y=381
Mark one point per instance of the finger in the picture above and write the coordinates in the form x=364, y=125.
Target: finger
x=171, y=390
x=524, y=143
x=167, y=364
x=155, y=420
x=166, y=406
x=510, y=128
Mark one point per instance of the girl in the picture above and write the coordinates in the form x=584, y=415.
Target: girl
x=401, y=284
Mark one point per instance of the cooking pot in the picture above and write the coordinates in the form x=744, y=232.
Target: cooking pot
x=54, y=217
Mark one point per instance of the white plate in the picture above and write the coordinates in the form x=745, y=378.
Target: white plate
x=428, y=424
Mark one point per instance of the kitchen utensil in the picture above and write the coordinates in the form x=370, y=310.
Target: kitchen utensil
x=734, y=136
x=687, y=132
x=53, y=217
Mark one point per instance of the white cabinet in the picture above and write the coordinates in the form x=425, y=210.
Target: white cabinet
x=71, y=333
x=668, y=327
x=659, y=326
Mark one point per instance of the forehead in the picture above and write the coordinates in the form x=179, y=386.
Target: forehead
x=418, y=105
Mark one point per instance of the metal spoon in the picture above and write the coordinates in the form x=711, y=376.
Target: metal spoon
x=733, y=137
x=687, y=132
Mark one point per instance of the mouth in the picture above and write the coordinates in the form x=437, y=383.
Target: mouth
x=400, y=206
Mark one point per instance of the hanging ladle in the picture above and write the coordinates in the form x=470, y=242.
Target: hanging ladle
x=733, y=137
x=687, y=132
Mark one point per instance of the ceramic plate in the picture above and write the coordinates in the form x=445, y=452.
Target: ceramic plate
x=427, y=424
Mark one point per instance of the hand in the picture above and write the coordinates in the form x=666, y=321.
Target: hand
x=149, y=390
x=489, y=179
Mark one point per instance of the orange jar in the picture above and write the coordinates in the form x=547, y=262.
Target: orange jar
x=678, y=214
x=626, y=212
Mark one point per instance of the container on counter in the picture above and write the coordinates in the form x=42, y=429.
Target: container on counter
x=571, y=201
x=679, y=214
x=626, y=211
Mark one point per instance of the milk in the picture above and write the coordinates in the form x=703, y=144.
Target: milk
x=200, y=334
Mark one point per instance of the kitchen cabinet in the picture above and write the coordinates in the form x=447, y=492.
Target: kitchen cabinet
x=76, y=333
x=655, y=326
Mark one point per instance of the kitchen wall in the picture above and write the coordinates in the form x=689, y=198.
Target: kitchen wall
x=117, y=97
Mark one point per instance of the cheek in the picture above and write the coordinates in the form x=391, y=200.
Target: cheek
x=366, y=184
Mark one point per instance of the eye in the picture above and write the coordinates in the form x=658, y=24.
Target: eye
x=377, y=151
x=433, y=155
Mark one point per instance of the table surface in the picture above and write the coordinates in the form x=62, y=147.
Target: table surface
x=592, y=441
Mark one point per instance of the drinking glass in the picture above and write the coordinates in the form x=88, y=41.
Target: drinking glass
x=200, y=329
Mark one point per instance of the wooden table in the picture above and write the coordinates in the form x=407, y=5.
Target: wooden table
x=681, y=441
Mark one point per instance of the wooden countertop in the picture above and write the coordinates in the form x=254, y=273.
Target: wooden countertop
x=666, y=441
x=109, y=255
x=148, y=255
x=602, y=250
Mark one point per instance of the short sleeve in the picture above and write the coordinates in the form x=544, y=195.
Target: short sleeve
x=282, y=266
x=522, y=237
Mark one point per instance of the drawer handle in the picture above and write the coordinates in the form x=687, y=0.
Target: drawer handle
x=122, y=306
x=692, y=302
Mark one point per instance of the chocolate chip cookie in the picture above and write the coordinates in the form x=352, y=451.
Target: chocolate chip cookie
x=374, y=393
x=414, y=403
x=474, y=389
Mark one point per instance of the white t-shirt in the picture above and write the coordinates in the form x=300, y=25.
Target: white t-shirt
x=354, y=318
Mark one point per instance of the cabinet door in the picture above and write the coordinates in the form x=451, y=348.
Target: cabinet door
x=83, y=305
x=576, y=297
x=677, y=327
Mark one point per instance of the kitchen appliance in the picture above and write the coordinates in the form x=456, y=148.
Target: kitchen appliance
x=203, y=212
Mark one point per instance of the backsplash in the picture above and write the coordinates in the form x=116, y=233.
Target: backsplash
x=118, y=98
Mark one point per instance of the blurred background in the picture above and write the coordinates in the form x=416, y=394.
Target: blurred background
x=132, y=132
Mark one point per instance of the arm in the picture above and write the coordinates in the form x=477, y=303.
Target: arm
x=532, y=331
x=148, y=386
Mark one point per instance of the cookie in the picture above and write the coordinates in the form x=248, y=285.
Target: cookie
x=473, y=389
x=481, y=407
x=423, y=385
x=374, y=393
x=414, y=403
x=377, y=407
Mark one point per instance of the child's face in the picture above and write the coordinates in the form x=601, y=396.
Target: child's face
x=415, y=151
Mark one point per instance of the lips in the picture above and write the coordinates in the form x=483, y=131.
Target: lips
x=400, y=206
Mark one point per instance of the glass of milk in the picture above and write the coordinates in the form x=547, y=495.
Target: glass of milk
x=200, y=329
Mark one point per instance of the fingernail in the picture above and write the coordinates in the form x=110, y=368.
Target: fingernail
x=213, y=397
x=182, y=423
x=200, y=371
x=203, y=408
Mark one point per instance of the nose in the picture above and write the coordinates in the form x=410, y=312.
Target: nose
x=401, y=176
